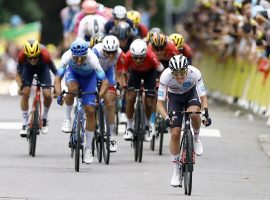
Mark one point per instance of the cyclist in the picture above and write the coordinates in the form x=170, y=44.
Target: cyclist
x=151, y=32
x=185, y=90
x=112, y=59
x=34, y=59
x=140, y=29
x=119, y=14
x=163, y=48
x=82, y=68
x=142, y=63
x=92, y=23
x=95, y=39
x=181, y=45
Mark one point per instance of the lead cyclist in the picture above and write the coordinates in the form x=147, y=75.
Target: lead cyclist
x=185, y=91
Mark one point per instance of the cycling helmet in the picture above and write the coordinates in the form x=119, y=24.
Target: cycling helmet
x=89, y=6
x=110, y=43
x=134, y=16
x=158, y=41
x=123, y=30
x=152, y=31
x=79, y=47
x=96, y=38
x=178, y=62
x=119, y=12
x=31, y=48
x=178, y=40
x=138, y=48
x=73, y=2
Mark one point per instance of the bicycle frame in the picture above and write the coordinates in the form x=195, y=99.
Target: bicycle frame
x=36, y=99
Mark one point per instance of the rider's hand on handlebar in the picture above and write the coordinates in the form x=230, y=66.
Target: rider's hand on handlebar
x=168, y=121
x=207, y=121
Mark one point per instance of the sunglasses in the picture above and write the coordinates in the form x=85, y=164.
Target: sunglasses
x=138, y=57
x=110, y=52
x=180, y=72
x=159, y=48
x=78, y=58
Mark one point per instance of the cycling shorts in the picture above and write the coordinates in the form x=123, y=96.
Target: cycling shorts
x=43, y=73
x=86, y=84
x=180, y=102
x=149, y=78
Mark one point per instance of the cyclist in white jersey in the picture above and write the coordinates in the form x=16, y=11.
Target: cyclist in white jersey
x=112, y=60
x=81, y=69
x=91, y=24
x=185, y=91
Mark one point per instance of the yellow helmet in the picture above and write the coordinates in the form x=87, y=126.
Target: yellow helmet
x=134, y=16
x=31, y=48
x=158, y=41
x=178, y=40
x=96, y=38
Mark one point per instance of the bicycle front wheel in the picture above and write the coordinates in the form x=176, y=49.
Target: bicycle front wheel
x=141, y=133
x=34, y=131
x=78, y=144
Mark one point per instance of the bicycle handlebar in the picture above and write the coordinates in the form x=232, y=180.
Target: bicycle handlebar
x=60, y=97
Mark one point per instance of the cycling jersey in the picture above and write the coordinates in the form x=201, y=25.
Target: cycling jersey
x=141, y=31
x=169, y=51
x=90, y=65
x=89, y=25
x=110, y=24
x=193, y=78
x=186, y=51
x=109, y=66
x=42, y=68
x=150, y=62
x=67, y=15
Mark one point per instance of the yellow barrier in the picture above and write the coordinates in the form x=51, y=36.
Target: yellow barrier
x=236, y=78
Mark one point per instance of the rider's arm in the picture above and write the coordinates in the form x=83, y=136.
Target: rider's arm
x=162, y=91
x=201, y=89
x=20, y=65
x=47, y=59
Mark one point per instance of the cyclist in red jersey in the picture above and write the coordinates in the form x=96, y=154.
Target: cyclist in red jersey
x=163, y=48
x=34, y=59
x=142, y=64
x=183, y=47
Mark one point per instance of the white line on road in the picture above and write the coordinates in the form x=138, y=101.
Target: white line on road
x=10, y=125
x=207, y=132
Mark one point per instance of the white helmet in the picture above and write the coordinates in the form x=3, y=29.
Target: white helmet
x=73, y=2
x=138, y=47
x=178, y=62
x=119, y=12
x=110, y=43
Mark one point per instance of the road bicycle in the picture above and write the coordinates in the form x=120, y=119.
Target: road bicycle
x=76, y=139
x=35, y=120
x=187, y=155
x=102, y=133
x=139, y=125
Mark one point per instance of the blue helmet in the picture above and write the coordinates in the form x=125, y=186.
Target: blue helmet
x=79, y=47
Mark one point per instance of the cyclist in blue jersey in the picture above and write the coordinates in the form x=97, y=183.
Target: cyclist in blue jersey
x=81, y=68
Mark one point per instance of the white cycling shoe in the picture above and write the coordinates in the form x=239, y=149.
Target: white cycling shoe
x=128, y=135
x=113, y=146
x=175, y=181
x=66, y=128
x=88, y=156
x=198, y=148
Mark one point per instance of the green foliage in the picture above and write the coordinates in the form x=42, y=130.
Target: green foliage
x=28, y=10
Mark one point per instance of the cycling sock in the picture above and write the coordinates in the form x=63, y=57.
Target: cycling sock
x=25, y=117
x=89, y=138
x=196, y=134
x=68, y=111
x=45, y=113
x=153, y=117
x=129, y=123
x=175, y=160
x=111, y=130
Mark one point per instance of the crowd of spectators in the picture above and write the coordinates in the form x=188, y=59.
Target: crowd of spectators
x=238, y=28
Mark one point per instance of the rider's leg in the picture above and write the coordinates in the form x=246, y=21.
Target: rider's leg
x=195, y=121
x=72, y=86
x=90, y=125
x=130, y=100
x=47, y=102
x=25, y=104
x=110, y=99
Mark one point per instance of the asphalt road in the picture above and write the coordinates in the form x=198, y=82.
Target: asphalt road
x=233, y=165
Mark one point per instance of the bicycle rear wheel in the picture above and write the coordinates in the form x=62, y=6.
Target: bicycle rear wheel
x=105, y=134
x=34, y=131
